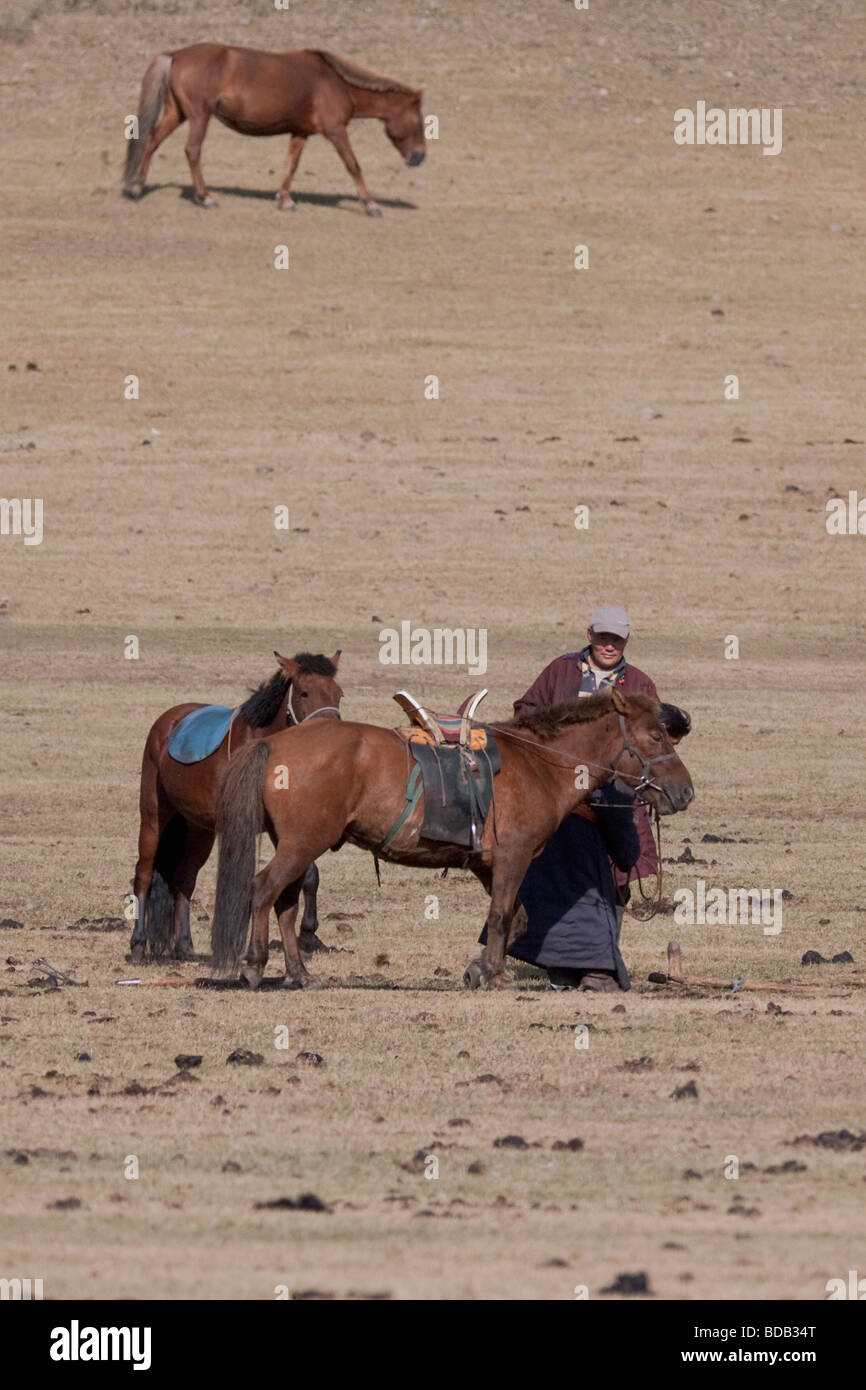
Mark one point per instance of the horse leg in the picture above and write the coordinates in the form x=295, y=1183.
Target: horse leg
x=340, y=140
x=503, y=903
x=296, y=149
x=267, y=886
x=199, y=843
x=170, y=119
x=518, y=924
x=307, y=938
x=197, y=126
x=154, y=817
x=476, y=970
x=141, y=888
x=287, y=911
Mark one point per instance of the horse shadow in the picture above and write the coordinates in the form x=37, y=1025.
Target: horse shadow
x=324, y=200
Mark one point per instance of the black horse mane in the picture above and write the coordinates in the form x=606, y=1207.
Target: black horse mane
x=263, y=704
x=547, y=722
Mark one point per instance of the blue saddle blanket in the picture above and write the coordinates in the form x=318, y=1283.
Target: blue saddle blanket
x=200, y=733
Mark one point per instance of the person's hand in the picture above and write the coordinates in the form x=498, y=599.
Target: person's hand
x=612, y=794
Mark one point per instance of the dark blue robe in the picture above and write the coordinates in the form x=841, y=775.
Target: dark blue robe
x=569, y=892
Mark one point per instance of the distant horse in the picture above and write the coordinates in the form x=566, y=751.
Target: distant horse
x=178, y=800
x=299, y=94
x=348, y=782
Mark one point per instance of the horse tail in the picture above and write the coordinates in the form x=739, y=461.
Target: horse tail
x=150, y=103
x=240, y=818
x=159, y=910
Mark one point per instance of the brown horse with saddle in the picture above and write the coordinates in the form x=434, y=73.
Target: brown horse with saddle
x=299, y=94
x=185, y=757
x=325, y=784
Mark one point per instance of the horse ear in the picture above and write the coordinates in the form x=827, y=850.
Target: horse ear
x=287, y=666
x=619, y=701
x=335, y=659
x=419, y=94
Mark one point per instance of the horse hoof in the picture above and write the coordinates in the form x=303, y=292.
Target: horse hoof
x=498, y=982
x=290, y=206
x=472, y=975
x=183, y=953
x=208, y=202
x=308, y=942
x=373, y=210
x=133, y=193
x=251, y=976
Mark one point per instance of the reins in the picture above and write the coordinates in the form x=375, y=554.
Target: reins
x=561, y=759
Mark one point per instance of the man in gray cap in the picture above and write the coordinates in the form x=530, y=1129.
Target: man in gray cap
x=601, y=663
x=572, y=933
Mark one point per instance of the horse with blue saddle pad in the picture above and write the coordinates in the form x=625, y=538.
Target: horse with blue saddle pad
x=185, y=756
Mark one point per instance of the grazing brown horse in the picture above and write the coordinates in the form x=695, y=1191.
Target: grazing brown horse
x=347, y=782
x=178, y=801
x=299, y=94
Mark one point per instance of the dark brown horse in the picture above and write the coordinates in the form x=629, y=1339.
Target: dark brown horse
x=178, y=801
x=347, y=782
x=299, y=94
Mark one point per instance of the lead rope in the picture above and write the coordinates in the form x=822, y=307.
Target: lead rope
x=647, y=898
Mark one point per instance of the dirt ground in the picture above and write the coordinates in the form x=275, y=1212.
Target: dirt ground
x=559, y=388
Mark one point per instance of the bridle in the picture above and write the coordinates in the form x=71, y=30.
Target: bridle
x=645, y=763
x=563, y=760
x=292, y=718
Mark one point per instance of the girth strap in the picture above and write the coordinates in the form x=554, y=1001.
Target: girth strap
x=414, y=789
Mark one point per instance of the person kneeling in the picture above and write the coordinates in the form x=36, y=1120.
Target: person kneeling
x=570, y=898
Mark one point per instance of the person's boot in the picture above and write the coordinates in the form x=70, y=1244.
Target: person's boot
x=560, y=977
x=601, y=980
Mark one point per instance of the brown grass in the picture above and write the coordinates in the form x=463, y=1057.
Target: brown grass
x=452, y=513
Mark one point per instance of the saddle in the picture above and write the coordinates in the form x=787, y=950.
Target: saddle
x=199, y=733
x=439, y=729
x=455, y=762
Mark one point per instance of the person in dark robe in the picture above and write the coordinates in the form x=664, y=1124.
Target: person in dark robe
x=573, y=903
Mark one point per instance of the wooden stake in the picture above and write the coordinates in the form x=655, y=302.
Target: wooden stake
x=675, y=976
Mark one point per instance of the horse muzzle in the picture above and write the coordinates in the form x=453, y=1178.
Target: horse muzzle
x=673, y=799
x=415, y=158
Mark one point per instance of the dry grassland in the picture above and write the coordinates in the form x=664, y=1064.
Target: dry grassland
x=260, y=388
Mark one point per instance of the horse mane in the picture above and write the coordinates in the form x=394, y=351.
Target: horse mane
x=547, y=721
x=264, y=701
x=362, y=77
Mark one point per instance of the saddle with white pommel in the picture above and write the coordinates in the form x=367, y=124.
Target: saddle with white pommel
x=454, y=763
x=443, y=728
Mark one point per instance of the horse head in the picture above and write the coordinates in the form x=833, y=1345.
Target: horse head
x=313, y=690
x=647, y=760
x=404, y=127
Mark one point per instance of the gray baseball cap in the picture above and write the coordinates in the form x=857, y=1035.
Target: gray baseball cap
x=610, y=619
